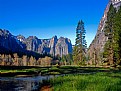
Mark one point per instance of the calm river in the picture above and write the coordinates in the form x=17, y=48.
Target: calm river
x=22, y=83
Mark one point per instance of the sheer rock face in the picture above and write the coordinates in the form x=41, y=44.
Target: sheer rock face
x=32, y=43
x=116, y=3
x=53, y=46
x=10, y=42
x=63, y=46
x=44, y=46
x=97, y=45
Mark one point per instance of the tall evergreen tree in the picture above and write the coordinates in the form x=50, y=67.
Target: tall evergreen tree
x=111, y=47
x=80, y=44
x=80, y=35
x=117, y=37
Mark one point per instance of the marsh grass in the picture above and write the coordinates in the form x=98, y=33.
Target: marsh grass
x=102, y=81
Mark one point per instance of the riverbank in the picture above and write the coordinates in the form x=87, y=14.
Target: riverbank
x=53, y=70
x=63, y=78
x=6, y=71
x=11, y=71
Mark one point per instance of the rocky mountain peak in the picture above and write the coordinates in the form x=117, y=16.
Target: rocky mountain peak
x=115, y=1
x=21, y=38
x=54, y=46
x=55, y=37
x=32, y=37
x=5, y=32
x=61, y=39
x=9, y=42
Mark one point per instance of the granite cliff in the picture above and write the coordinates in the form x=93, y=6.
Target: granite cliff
x=9, y=42
x=53, y=46
x=97, y=45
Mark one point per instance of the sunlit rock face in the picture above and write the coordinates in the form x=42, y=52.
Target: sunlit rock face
x=53, y=46
x=63, y=46
x=116, y=3
x=97, y=45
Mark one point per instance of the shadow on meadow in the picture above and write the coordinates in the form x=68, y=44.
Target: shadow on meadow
x=73, y=70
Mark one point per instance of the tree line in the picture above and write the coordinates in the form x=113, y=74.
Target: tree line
x=80, y=48
x=15, y=60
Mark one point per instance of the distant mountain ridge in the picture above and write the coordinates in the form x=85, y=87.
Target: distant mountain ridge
x=10, y=42
x=53, y=46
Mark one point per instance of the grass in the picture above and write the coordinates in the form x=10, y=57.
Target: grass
x=13, y=71
x=102, y=81
x=97, y=79
x=49, y=70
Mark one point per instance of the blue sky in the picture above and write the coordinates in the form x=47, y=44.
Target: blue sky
x=46, y=18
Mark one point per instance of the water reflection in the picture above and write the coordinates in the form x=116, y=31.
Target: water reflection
x=22, y=83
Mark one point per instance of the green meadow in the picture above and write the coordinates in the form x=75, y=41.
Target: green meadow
x=100, y=81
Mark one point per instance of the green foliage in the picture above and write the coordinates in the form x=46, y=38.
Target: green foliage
x=79, y=49
x=106, y=48
x=112, y=49
x=76, y=58
x=117, y=37
x=67, y=59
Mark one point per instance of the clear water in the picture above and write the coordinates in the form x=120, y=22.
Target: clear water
x=22, y=83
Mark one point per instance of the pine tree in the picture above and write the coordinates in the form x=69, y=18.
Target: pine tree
x=117, y=37
x=76, y=58
x=112, y=49
x=80, y=35
x=110, y=33
x=80, y=44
